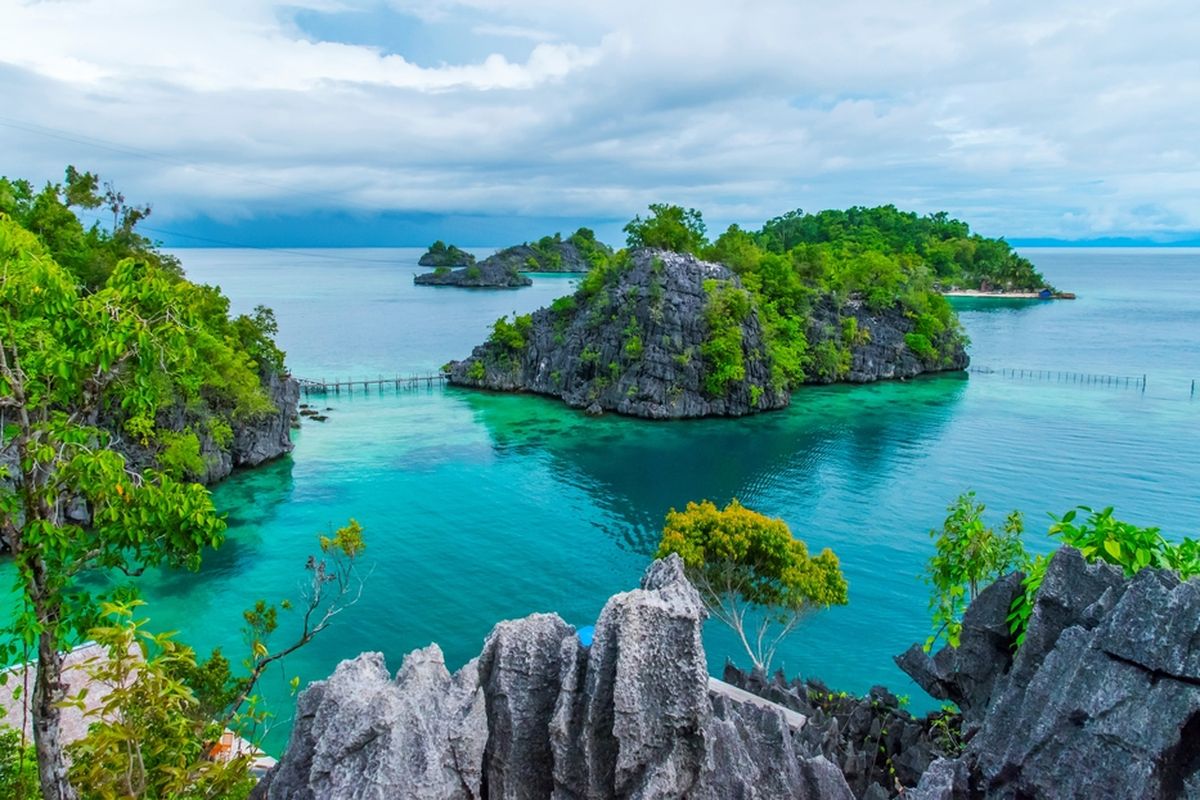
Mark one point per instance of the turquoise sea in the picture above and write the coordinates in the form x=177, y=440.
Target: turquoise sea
x=480, y=507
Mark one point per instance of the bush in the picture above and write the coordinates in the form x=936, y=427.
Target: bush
x=1100, y=537
x=668, y=227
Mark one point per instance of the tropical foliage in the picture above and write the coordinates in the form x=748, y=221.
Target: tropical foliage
x=969, y=556
x=105, y=351
x=1100, y=537
x=752, y=574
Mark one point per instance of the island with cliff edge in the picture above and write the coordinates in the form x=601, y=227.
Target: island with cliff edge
x=675, y=327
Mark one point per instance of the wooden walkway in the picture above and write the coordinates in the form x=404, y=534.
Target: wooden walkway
x=1058, y=376
x=321, y=386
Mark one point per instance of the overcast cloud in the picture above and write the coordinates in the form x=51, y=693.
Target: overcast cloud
x=1069, y=119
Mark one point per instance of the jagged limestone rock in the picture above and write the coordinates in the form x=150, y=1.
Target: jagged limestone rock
x=1102, y=699
x=361, y=736
x=538, y=715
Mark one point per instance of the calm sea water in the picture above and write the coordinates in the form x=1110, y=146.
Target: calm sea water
x=480, y=507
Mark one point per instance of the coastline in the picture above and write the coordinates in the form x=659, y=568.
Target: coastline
x=1008, y=295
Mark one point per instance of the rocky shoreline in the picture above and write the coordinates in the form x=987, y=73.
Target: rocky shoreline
x=487, y=274
x=1102, y=700
x=641, y=344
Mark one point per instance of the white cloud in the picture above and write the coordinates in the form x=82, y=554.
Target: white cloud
x=1025, y=118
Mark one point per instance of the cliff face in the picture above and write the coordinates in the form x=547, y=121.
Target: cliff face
x=538, y=715
x=643, y=344
x=1101, y=700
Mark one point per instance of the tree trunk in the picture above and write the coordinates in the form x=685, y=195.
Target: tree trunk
x=48, y=692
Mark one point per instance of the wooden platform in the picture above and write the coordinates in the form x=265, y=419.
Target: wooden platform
x=794, y=719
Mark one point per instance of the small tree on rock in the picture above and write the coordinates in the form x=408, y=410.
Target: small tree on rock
x=752, y=574
x=969, y=556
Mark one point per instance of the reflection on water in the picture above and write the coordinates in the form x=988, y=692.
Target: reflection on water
x=637, y=470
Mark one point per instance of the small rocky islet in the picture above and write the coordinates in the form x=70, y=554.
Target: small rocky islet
x=578, y=252
x=665, y=335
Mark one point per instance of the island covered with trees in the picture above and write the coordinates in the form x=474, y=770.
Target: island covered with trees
x=579, y=252
x=678, y=326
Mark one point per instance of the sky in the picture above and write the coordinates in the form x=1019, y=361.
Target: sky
x=486, y=122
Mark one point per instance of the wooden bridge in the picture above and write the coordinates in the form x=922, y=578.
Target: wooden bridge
x=309, y=386
x=1058, y=376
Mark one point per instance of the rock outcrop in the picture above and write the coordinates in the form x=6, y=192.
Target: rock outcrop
x=879, y=746
x=1101, y=700
x=440, y=254
x=538, y=715
x=487, y=274
x=547, y=256
x=642, y=342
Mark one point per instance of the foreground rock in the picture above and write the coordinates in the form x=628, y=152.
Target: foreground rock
x=537, y=715
x=879, y=746
x=641, y=342
x=483, y=275
x=1101, y=700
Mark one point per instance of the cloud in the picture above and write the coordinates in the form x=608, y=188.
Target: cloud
x=1024, y=118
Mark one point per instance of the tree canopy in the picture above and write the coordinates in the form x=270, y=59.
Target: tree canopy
x=101, y=355
x=752, y=574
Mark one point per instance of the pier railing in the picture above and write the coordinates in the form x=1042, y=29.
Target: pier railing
x=1059, y=376
x=309, y=386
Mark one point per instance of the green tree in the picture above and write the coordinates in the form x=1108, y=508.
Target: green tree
x=18, y=766
x=752, y=574
x=668, y=227
x=154, y=735
x=76, y=367
x=969, y=556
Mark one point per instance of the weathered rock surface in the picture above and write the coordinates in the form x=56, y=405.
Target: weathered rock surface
x=1101, y=700
x=636, y=346
x=877, y=745
x=487, y=274
x=537, y=715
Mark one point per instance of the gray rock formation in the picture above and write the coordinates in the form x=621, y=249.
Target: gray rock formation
x=1101, y=700
x=875, y=742
x=538, y=715
x=486, y=274
x=636, y=345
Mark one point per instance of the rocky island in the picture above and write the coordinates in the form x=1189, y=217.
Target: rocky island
x=666, y=335
x=579, y=252
x=440, y=254
x=1101, y=700
x=487, y=274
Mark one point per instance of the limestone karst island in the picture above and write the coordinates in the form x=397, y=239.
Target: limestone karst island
x=460, y=401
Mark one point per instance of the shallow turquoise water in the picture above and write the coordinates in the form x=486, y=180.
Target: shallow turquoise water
x=480, y=507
